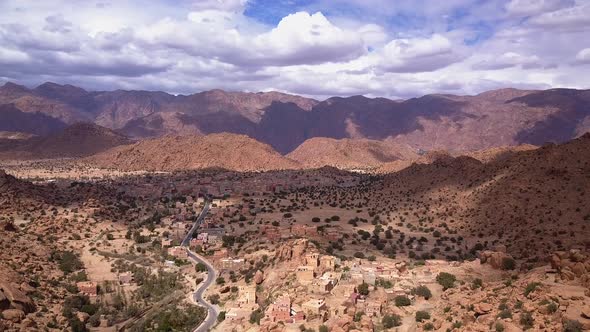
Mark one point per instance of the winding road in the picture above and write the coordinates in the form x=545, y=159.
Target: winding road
x=212, y=311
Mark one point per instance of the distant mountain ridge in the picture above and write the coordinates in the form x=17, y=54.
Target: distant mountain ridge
x=459, y=124
x=77, y=140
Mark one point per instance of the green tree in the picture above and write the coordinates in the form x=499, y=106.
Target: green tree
x=363, y=288
x=422, y=291
x=256, y=316
x=446, y=280
x=390, y=321
x=221, y=316
x=422, y=316
x=402, y=301
x=200, y=267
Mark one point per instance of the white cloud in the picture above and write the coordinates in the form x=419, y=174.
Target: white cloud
x=225, y=5
x=575, y=18
x=371, y=47
x=507, y=60
x=583, y=57
x=416, y=55
x=534, y=7
x=302, y=38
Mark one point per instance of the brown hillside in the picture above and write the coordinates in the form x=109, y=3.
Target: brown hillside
x=171, y=153
x=537, y=196
x=78, y=140
x=349, y=153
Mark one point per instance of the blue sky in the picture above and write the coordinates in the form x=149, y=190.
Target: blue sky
x=319, y=48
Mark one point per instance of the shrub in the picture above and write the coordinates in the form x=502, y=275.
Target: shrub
x=402, y=301
x=256, y=316
x=221, y=316
x=477, y=283
x=572, y=326
x=552, y=307
x=200, y=267
x=508, y=263
x=526, y=320
x=499, y=327
x=422, y=316
x=428, y=327
x=363, y=289
x=214, y=298
x=422, y=291
x=390, y=321
x=68, y=261
x=504, y=314
x=358, y=316
x=446, y=280
x=531, y=287
x=323, y=328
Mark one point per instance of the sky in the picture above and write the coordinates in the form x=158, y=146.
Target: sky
x=317, y=48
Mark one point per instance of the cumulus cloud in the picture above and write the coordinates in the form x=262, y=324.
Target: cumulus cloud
x=416, y=55
x=318, y=48
x=299, y=38
x=508, y=60
x=302, y=38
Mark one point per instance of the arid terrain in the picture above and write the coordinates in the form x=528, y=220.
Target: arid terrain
x=494, y=240
x=495, y=118
x=295, y=166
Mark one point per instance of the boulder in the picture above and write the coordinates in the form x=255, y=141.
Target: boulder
x=4, y=302
x=494, y=258
x=28, y=323
x=18, y=300
x=82, y=316
x=13, y=315
x=258, y=277
x=482, y=308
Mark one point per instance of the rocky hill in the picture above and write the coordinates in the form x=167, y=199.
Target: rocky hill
x=459, y=124
x=530, y=196
x=349, y=153
x=171, y=153
x=78, y=140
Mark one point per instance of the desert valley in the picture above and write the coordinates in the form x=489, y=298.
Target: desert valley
x=104, y=229
x=294, y=166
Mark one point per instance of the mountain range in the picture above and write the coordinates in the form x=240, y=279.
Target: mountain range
x=458, y=124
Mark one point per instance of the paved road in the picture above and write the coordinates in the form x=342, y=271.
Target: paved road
x=212, y=310
x=198, y=222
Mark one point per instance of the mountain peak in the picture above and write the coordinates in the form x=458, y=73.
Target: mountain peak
x=13, y=87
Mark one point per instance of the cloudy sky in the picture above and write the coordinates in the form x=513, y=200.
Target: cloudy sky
x=320, y=48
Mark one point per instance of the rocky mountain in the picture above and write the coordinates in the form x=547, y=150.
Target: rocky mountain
x=14, y=120
x=349, y=153
x=534, y=195
x=459, y=124
x=171, y=153
x=77, y=140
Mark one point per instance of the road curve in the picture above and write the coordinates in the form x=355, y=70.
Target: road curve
x=212, y=310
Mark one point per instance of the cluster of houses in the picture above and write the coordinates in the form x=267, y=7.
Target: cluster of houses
x=336, y=293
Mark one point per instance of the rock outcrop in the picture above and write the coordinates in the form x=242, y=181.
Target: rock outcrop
x=18, y=299
x=497, y=260
x=571, y=265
